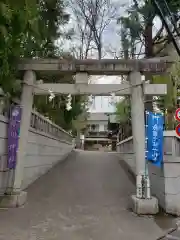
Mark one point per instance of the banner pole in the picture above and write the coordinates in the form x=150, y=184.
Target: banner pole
x=147, y=180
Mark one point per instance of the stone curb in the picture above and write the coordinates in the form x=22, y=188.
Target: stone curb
x=173, y=233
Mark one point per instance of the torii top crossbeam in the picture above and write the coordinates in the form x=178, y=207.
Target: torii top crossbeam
x=96, y=67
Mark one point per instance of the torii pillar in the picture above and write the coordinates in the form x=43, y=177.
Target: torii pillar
x=15, y=196
x=142, y=202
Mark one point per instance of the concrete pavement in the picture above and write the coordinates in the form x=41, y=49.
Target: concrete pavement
x=172, y=234
x=83, y=198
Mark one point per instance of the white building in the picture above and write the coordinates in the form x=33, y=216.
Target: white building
x=97, y=127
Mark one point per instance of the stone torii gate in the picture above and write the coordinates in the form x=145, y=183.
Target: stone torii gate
x=81, y=69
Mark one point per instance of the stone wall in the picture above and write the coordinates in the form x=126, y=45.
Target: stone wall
x=4, y=172
x=43, y=152
x=165, y=181
x=48, y=144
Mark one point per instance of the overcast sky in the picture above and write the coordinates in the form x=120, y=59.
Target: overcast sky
x=101, y=104
x=111, y=40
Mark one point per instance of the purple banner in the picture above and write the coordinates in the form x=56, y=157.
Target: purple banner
x=13, y=135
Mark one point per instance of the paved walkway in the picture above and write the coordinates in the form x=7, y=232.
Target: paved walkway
x=83, y=198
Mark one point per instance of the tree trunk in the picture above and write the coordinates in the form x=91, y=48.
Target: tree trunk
x=99, y=48
x=148, y=53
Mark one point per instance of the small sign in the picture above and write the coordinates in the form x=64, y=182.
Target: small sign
x=178, y=130
x=13, y=135
x=177, y=114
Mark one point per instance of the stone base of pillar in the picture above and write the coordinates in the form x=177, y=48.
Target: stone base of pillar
x=13, y=200
x=144, y=206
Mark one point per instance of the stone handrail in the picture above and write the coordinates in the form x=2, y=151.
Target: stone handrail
x=171, y=144
x=41, y=123
x=125, y=140
x=164, y=180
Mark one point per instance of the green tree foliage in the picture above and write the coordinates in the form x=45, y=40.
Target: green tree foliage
x=30, y=29
x=169, y=103
x=130, y=32
x=123, y=111
x=17, y=19
x=51, y=17
x=137, y=27
x=123, y=116
x=56, y=110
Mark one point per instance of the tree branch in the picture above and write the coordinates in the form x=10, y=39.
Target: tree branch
x=158, y=34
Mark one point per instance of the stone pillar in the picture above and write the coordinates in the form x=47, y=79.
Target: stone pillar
x=80, y=78
x=140, y=203
x=17, y=197
x=138, y=128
